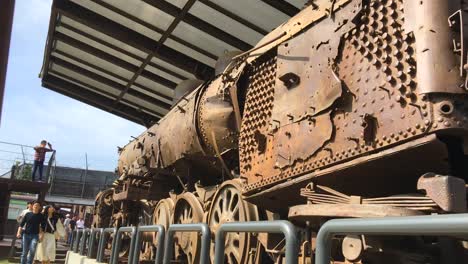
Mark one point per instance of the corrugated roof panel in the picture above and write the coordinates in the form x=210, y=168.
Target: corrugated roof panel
x=173, y=68
x=225, y=23
x=118, y=18
x=257, y=12
x=104, y=37
x=154, y=86
x=105, y=75
x=202, y=39
x=99, y=46
x=145, y=104
x=85, y=79
x=93, y=59
x=298, y=3
x=103, y=93
x=196, y=55
x=145, y=12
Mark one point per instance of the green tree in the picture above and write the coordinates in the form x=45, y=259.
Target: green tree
x=22, y=171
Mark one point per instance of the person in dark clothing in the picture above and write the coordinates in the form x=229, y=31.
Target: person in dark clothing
x=39, y=157
x=32, y=223
x=71, y=226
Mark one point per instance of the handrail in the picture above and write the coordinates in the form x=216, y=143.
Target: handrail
x=159, y=251
x=279, y=226
x=92, y=240
x=118, y=242
x=205, y=240
x=434, y=225
x=102, y=240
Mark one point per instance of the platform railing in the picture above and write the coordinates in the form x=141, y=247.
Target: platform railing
x=77, y=239
x=200, y=228
x=161, y=232
x=118, y=243
x=92, y=241
x=106, y=233
x=84, y=238
x=285, y=227
x=431, y=225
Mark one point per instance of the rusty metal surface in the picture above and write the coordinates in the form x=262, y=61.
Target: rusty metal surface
x=379, y=106
x=307, y=212
x=437, y=62
x=448, y=192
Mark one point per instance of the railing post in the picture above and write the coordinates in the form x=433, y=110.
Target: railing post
x=102, y=240
x=92, y=241
x=84, y=237
x=285, y=227
x=433, y=225
x=205, y=240
x=118, y=242
x=77, y=239
x=159, y=251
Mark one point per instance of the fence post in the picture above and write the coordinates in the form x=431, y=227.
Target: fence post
x=281, y=226
x=102, y=240
x=433, y=225
x=159, y=251
x=77, y=239
x=84, y=237
x=205, y=240
x=92, y=241
x=118, y=242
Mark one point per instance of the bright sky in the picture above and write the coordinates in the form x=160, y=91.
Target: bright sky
x=32, y=113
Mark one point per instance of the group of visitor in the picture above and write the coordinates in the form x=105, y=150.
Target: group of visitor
x=40, y=228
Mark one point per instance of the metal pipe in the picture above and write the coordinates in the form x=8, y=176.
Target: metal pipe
x=205, y=240
x=118, y=242
x=139, y=236
x=102, y=241
x=84, y=237
x=433, y=225
x=280, y=226
x=79, y=233
x=92, y=241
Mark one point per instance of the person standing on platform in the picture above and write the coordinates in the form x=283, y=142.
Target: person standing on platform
x=80, y=224
x=39, y=157
x=32, y=223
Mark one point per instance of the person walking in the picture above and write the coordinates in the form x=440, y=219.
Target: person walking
x=39, y=157
x=66, y=224
x=71, y=226
x=46, y=249
x=29, y=207
x=32, y=224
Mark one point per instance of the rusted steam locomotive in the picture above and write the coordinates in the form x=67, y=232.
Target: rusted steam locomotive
x=352, y=108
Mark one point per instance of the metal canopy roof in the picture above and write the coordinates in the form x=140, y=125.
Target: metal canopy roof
x=127, y=57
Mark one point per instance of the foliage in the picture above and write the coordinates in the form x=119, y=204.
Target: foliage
x=22, y=171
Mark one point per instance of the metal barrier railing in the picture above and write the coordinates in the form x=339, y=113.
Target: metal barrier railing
x=102, y=241
x=433, y=225
x=205, y=240
x=285, y=227
x=84, y=238
x=77, y=239
x=92, y=242
x=118, y=242
x=138, y=240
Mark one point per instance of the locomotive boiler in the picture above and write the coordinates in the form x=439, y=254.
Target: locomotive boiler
x=352, y=108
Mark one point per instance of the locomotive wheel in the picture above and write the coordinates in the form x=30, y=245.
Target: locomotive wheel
x=228, y=206
x=187, y=210
x=103, y=209
x=162, y=216
x=146, y=218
